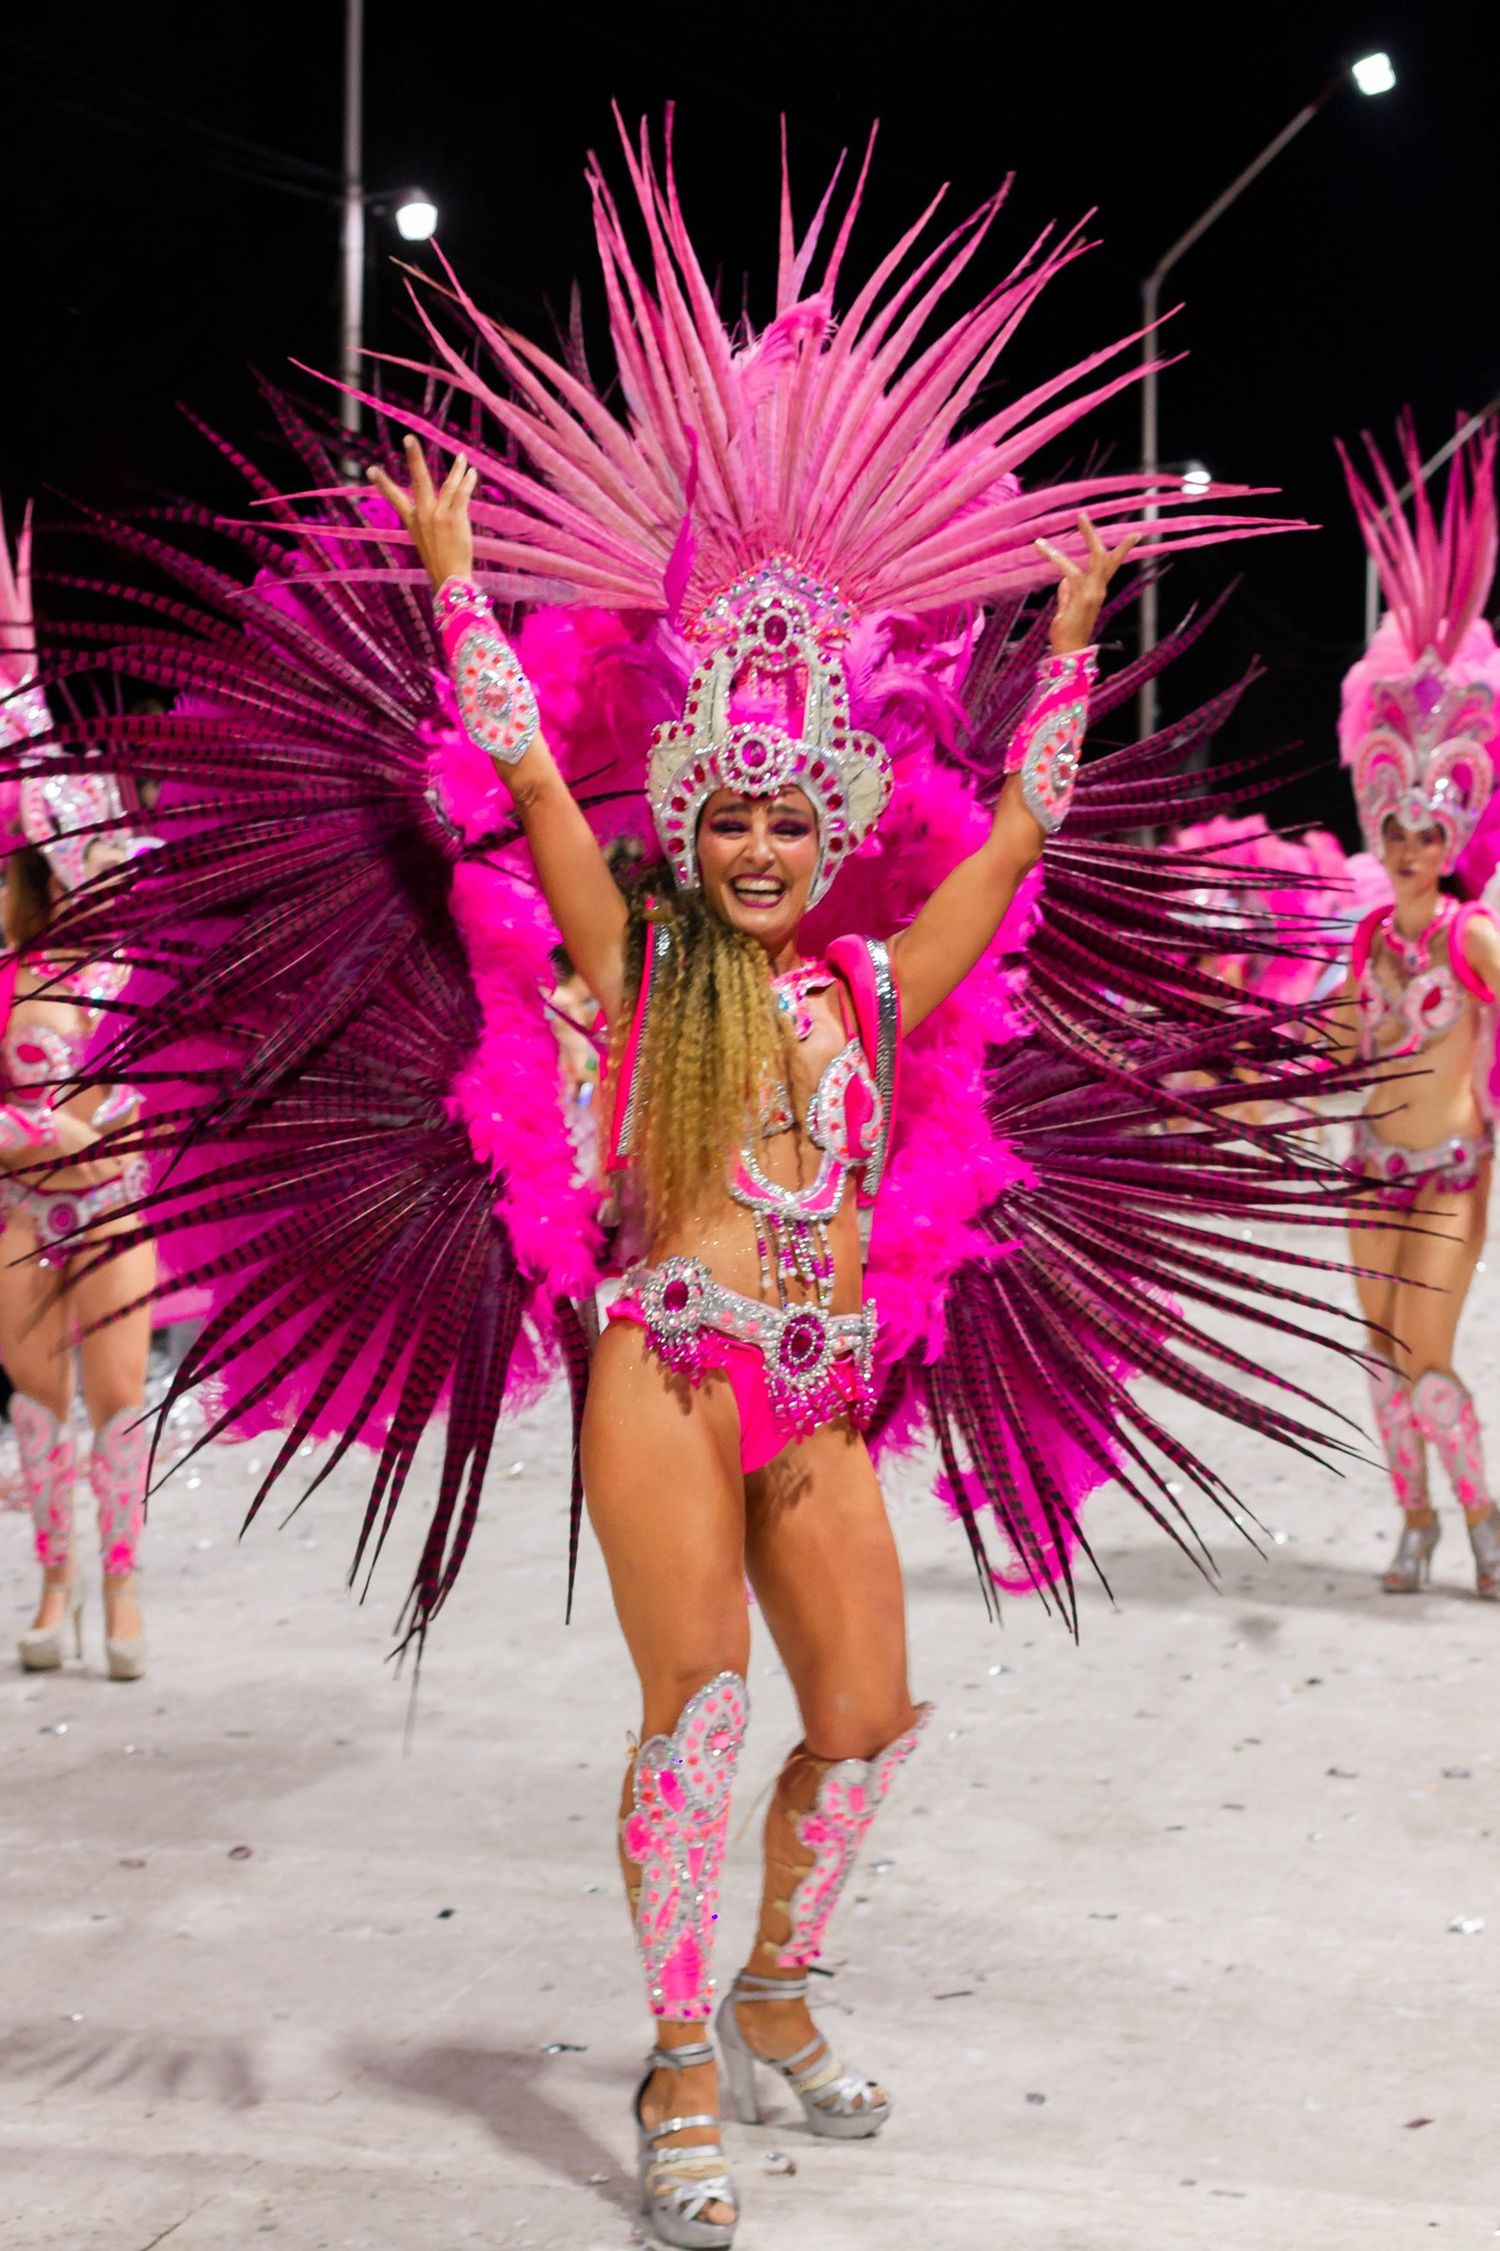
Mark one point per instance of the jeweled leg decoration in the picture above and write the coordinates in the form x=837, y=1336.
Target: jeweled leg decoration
x=48, y=1464
x=117, y=1474
x=1406, y=1457
x=828, y=1806
x=674, y=1819
x=1405, y=1454
x=819, y=1816
x=1444, y=1412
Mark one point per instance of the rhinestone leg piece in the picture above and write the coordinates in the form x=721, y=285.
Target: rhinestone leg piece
x=675, y=1819
x=1443, y=1411
x=1405, y=1454
x=48, y=1465
x=829, y=1805
x=117, y=1475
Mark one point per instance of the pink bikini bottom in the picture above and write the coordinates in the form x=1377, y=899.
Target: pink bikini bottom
x=1451, y=1166
x=56, y=1212
x=792, y=1368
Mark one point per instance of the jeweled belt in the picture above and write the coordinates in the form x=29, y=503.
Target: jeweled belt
x=799, y=1342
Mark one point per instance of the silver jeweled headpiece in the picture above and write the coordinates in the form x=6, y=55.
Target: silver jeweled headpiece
x=768, y=710
x=1426, y=756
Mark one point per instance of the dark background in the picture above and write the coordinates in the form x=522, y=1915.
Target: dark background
x=150, y=261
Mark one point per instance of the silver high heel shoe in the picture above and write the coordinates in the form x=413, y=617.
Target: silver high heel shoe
x=40, y=1648
x=1410, y=1567
x=126, y=1659
x=1484, y=1539
x=839, y=2105
x=677, y=2185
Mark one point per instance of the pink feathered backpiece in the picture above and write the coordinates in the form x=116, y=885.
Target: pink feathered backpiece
x=351, y=943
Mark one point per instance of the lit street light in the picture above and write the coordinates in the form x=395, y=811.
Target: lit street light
x=1372, y=74
x=416, y=216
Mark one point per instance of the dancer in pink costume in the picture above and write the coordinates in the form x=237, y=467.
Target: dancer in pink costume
x=54, y=1181
x=1420, y=732
x=779, y=596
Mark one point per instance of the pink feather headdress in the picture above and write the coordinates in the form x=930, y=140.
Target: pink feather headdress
x=1419, y=725
x=769, y=498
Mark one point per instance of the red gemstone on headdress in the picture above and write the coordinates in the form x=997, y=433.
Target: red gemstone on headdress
x=675, y=1296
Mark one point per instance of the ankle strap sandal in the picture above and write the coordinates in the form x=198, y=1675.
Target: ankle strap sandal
x=679, y=2184
x=839, y=2105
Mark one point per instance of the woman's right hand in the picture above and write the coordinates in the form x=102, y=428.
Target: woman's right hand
x=437, y=522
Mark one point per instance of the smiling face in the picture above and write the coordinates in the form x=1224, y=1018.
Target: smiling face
x=1413, y=857
x=756, y=860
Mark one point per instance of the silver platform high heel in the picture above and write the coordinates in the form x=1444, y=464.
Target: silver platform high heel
x=125, y=1659
x=1484, y=1539
x=1410, y=1567
x=678, y=2184
x=839, y=2105
x=40, y=1648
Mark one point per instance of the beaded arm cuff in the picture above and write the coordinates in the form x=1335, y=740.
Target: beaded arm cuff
x=1045, y=748
x=495, y=698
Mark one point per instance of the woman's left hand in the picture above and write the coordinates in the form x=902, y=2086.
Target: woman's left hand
x=1081, y=591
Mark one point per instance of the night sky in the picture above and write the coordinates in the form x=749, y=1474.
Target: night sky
x=149, y=263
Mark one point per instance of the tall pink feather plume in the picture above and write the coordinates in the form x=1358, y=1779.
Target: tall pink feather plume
x=843, y=442
x=1436, y=575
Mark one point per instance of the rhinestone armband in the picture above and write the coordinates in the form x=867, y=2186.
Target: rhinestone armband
x=1046, y=747
x=495, y=699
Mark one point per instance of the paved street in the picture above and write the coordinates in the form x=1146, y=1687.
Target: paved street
x=1153, y=1947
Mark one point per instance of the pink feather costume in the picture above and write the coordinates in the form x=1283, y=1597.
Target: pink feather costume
x=374, y=1177
x=1419, y=729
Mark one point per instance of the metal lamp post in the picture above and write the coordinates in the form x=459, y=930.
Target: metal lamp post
x=1372, y=74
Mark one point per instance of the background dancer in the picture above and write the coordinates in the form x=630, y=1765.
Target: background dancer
x=54, y=1180
x=1419, y=730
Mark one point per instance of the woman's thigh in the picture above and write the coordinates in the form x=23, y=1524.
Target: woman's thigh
x=1436, y=1267
x=34, y=1320
x=661, y=1475
x=823, y=1562
x=1377, y=1251
x=114, y=1354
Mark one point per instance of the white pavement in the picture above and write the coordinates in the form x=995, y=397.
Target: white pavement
x=1153, y=1947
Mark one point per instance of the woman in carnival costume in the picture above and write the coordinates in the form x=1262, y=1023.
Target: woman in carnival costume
x=1419, y=730
x=54, y=1181
x=785, y=589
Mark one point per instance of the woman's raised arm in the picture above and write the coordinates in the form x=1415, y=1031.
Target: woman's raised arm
x=952, y=930
x=500, y=716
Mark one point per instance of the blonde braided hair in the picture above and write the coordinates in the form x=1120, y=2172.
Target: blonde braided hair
x=714, y=1044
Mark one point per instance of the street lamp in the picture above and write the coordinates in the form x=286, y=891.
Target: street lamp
x=415, y=213
x=1372, y=74
x=416, y=216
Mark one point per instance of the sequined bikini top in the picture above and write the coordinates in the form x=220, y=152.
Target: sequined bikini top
x=35, y=1055
x=1430, y=1000
x=845, y=1123
x=851, y=1113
